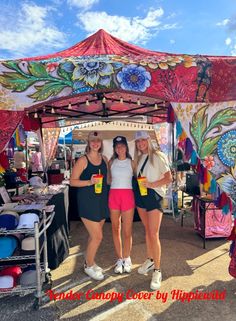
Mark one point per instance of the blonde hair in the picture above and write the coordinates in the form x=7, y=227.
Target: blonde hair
x=151, y=152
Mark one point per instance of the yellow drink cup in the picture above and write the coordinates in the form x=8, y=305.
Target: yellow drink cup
x=98, y=186
x=142, y=189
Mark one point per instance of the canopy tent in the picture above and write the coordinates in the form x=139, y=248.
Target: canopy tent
x=105, y=78
x=68, y=139
x=102, y=75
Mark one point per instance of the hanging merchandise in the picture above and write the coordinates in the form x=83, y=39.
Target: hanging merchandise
x=17, y=138
x=232, y=264
x=188, y=148
x=193, y=158
x=179, y=129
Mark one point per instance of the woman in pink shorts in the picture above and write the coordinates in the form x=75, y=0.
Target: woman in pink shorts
x=121, y=203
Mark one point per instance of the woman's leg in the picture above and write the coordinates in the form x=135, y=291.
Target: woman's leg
x=144, y=218
x=127, y=223
x=95, y=237
x=115, y=217
x=154, y=218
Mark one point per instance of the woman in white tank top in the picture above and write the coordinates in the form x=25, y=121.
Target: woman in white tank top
x=121, y=203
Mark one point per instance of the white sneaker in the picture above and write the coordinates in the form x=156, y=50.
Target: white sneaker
x=127, y=265
x=94, y=273
x=119, y=266
x=98, y=268
x=147, y=266
x=156, y=280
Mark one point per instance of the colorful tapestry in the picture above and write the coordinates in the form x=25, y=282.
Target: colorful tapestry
x=50, y=139
x=162, y=135
x=103, y=62
x=212, y=131
x=9, y=122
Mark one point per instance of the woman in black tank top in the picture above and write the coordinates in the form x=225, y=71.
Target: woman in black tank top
x=93, y=208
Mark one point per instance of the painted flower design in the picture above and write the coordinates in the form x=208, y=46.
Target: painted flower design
x=161, y=62
x=134, y=78
x=226, y=148
x=68, y=66
x=227, y=183
x=51, y=66
x=209, y=162
x=180, y=111
x=94, y=73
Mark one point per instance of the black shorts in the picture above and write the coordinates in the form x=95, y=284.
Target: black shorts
x=149, y=202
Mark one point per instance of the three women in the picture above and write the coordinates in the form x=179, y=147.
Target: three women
x=93, y=213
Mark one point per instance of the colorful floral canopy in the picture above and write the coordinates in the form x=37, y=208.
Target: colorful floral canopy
x=120, y=72
x=105, y=77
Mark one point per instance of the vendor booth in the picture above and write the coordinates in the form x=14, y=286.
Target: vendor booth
x=105, y=79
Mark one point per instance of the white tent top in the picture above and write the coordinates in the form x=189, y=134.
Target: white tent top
x=111, y=129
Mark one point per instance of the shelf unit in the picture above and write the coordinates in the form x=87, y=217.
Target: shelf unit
x=43, y=277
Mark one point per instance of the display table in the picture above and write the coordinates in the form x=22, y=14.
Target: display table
x=209, y=220
x=57, y=233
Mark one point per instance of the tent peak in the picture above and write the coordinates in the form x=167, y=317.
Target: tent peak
x=99, y=43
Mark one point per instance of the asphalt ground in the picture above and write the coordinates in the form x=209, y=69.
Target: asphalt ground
x=189, y=273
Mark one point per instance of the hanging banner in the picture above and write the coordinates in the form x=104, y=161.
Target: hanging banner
x=50, y=139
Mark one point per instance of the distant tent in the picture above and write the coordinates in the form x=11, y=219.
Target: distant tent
x=68, y=139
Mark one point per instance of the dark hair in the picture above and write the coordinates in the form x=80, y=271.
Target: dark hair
x=115, y=155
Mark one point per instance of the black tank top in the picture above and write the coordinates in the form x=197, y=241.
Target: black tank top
x=92, y=169
x=93, y=206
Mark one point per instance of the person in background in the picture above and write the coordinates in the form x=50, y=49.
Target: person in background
x=20, y=165
x=36, y=161
x=158, y=175
x=92, y=207
x=121, y=202
x=19, y=158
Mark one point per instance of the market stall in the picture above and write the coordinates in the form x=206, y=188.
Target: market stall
x=104, y=78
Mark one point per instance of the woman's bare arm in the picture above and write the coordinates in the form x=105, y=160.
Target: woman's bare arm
x=77, y=170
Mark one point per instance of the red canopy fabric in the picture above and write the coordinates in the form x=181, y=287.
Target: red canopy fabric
x=100, y=43
x=74, y=83
x=9, y=122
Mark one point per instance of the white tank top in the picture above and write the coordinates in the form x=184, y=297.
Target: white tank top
x=121, y=174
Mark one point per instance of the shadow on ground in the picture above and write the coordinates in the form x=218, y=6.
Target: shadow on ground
x=185, y=264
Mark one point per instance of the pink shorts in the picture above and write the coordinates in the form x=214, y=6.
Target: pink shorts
x=121, y=199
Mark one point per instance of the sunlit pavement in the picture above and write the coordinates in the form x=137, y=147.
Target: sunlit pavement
x=186, y=267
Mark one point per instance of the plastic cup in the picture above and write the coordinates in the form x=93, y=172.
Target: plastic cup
x=98, y=186
x=142, y=189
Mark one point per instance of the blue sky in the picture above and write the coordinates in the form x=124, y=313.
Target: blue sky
x=30, y=28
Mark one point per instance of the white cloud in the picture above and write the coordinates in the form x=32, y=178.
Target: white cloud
x=84, y=4
x=131, y=29
x=224, y=22
x=233, y=51
x=230, y=27
x=28, y=31
x=231, y=43
x=228, y=41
